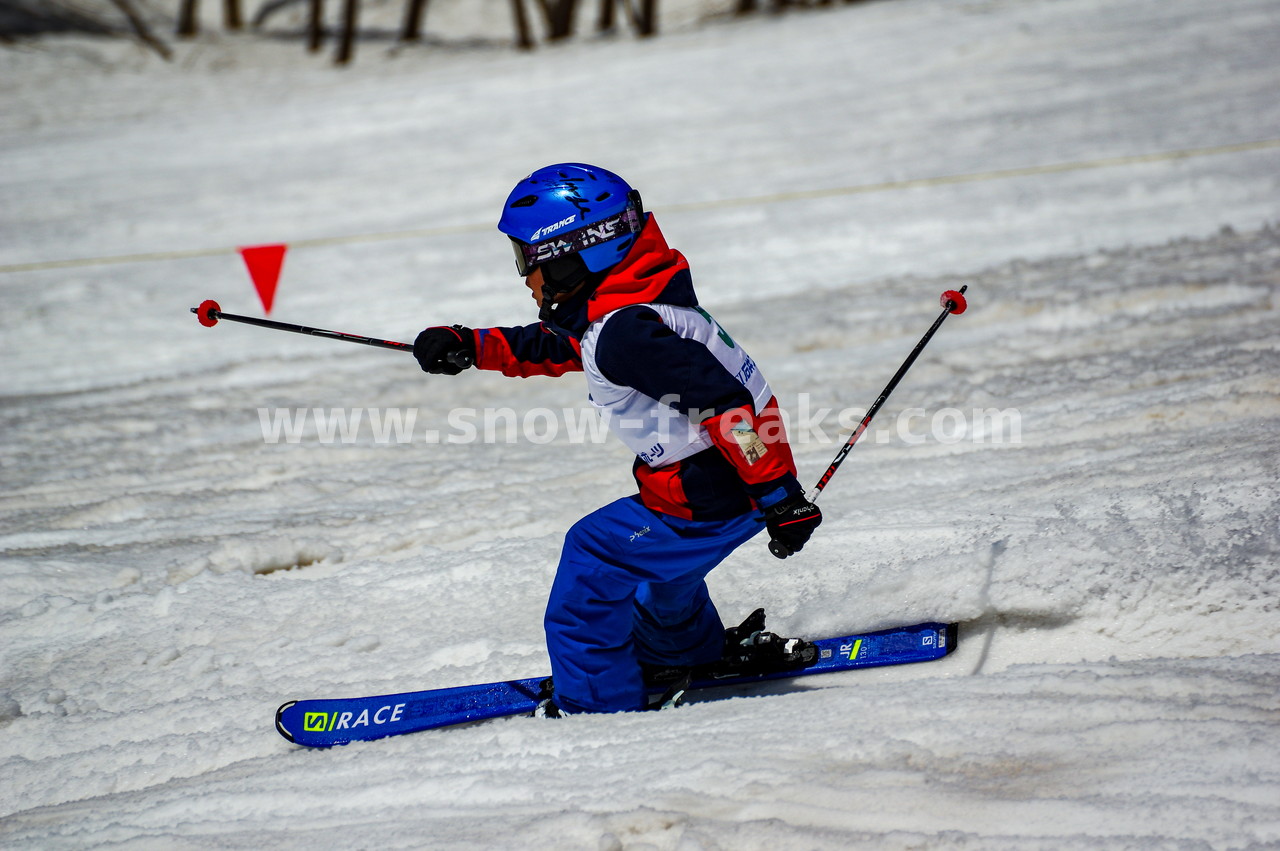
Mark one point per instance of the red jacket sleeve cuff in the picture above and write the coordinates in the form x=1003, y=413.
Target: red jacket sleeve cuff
x=755, y=444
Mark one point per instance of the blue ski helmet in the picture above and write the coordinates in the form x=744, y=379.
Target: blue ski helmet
x=571, y=209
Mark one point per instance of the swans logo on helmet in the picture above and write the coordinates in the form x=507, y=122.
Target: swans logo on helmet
x=629, y=221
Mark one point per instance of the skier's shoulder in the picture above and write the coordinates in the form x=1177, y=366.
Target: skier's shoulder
x=625, y=333
x=638, y=325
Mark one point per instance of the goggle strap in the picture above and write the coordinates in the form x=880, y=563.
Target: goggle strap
x=622, y=224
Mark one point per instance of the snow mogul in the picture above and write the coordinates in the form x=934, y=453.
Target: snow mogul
x=629, y=608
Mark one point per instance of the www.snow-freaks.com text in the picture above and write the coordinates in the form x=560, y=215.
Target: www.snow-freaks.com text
x=804, y=424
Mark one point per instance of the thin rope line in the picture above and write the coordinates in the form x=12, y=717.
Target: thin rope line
x=692, y=206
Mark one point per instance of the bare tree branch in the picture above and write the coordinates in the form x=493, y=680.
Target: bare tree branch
x=142, y=30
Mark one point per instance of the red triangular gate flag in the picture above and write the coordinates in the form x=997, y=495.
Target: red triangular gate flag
x=264, y=262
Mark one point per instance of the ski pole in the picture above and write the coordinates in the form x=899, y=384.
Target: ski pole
x=953, y=301
x=209, y=313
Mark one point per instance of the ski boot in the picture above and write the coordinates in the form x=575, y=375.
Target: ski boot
x=673, y=697
x=546, y=707
x=749, y=651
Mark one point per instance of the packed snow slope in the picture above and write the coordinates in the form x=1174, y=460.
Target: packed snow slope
x=1081, y=470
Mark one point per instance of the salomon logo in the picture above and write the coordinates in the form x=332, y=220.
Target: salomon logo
x=316, y=722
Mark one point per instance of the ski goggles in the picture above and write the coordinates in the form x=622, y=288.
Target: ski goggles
x=530, y=255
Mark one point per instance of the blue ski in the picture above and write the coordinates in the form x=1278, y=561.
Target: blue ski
x=326, y=722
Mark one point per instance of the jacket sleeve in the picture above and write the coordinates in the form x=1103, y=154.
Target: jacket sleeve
x=527, y=350
x=638, y=350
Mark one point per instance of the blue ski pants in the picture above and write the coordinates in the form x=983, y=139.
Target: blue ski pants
x=630, y=589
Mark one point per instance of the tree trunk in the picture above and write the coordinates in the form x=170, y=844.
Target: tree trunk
x=231, y=18
x=347, y=43
x=605, y=22
x=188, y=24
x=559, y=18
x=414, y=10
x=315, y=26
x=647, y=20
x=524, y=40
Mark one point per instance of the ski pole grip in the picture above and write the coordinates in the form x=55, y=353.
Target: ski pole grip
x=778, y=548
x=462, y=360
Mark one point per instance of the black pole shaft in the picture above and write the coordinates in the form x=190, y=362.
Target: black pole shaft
x=457, y=359
x=889, y=388
x=314, y=332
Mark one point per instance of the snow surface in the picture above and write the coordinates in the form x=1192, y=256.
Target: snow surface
x=1105, y=176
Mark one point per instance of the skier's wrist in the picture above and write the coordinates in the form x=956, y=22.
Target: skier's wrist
x=771, y=493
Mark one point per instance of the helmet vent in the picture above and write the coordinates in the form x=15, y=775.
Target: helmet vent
x=604, y=195
x=526, y=201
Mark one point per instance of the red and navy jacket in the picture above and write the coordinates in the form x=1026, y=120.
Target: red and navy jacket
x=635, y=349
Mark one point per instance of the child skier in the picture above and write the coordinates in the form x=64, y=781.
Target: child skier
x=629, y=604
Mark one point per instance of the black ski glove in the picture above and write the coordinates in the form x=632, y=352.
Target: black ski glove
x=444, y=350
x=790, y=524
